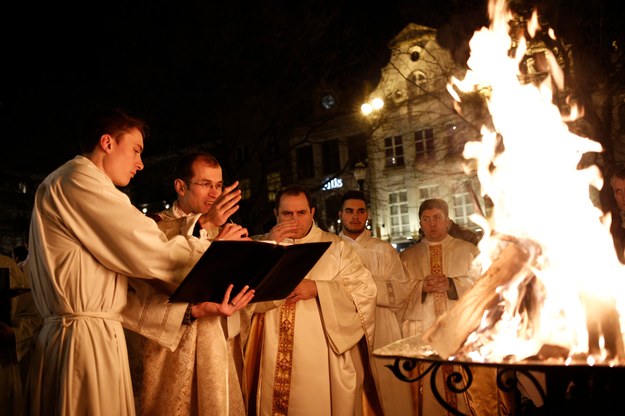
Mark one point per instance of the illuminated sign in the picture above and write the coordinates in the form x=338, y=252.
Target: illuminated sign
x=333, y=184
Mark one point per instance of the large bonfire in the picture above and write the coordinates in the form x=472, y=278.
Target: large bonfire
x=549, y=276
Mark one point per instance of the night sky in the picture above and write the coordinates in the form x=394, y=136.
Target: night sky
x=202, y=72
x=195, y=70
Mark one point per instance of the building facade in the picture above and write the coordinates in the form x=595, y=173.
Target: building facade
x=410, y=143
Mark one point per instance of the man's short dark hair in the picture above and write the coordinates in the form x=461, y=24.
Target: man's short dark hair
x=113, y=121
x=434, y=203
x=294, y=190
x=353, y=195
x=184, y=167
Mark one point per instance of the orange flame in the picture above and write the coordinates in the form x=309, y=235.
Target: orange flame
x=538, y=192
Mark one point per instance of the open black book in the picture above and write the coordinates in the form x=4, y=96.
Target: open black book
x=272, y=270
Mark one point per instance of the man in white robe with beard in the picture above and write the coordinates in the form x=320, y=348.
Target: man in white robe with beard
x=311, y=356
x=393, y=288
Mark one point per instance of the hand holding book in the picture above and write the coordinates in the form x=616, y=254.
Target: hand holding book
x=227, y=307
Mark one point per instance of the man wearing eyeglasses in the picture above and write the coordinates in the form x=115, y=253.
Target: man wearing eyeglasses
x=200, y=188
x=203, y=375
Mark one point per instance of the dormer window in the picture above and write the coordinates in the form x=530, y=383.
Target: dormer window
x=417, y=83
x=419, y=78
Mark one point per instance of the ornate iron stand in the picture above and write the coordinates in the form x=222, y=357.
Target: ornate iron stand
x=569, y=389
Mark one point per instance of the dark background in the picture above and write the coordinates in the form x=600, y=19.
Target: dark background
x=197, y=71
x=203, y=72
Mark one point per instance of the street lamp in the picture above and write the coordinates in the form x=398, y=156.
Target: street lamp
x=375, y=105
x=360, y=172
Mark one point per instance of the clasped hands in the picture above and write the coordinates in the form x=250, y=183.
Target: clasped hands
x=435, y=283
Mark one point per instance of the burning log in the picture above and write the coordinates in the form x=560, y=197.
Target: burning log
x=450, y=331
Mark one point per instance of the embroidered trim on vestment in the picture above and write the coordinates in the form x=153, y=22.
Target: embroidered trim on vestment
x=440, y=306
x=284, y=360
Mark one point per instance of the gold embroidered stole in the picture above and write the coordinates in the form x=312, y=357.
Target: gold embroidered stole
x=284, y=360
x=436, y=268
x=440, y=306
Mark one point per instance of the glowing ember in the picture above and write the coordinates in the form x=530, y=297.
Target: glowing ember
x=539, y=195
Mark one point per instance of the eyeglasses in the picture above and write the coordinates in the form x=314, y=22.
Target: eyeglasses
x=208, y=185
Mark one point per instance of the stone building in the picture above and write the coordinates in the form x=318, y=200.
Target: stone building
x=410, y=143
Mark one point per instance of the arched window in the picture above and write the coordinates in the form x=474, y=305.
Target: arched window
x=417, y=83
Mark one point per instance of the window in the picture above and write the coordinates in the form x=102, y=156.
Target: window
x=305, y=166
x=246, y=188
x=357, y=146
x=330, y=156
x=394, y=151
x=427, y=192
x=463, y=208
x=417, y=84
x=420, y=79
x=400, y=222
x=273, y=185
x=271, y=146
x=456, y=139
x=241, y=153
x=424, y=143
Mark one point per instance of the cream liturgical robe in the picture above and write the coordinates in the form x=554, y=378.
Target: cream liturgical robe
x=310, y=361
x=454, y=256
x=457, y=258
x=203, y=375
x=85, y=238
x=393, y=287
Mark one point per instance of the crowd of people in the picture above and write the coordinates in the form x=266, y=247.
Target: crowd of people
x=93, y=331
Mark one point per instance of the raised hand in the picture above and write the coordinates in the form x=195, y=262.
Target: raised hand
x=282, y=230
x=224, y=206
